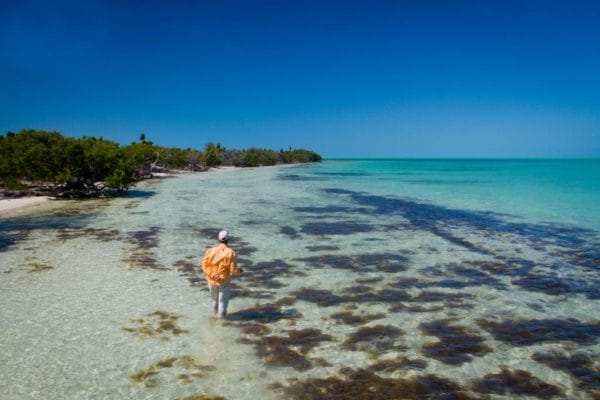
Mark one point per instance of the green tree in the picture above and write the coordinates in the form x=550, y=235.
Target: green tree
x=31, y=156
x=211, y=155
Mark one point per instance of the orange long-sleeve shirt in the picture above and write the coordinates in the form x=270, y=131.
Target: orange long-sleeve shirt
x=219, y=264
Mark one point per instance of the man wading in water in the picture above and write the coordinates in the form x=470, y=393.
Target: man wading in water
x=219, y=265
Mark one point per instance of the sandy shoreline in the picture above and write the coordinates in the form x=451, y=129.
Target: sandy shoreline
x=11, y=205
x=8, y=206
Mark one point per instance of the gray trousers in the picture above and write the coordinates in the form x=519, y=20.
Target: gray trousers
x=220, y=297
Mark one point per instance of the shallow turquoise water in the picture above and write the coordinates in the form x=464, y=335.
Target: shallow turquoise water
x=436, y=277
x=564, y=191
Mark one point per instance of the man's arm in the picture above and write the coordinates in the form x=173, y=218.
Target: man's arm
x=206, y=263
x=234, y=269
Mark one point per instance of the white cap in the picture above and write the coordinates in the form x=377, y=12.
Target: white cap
x=223, y=236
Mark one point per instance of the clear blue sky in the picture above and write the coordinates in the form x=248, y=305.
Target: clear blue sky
x=347, y=79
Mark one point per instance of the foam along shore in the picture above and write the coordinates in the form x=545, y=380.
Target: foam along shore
x=8, y=206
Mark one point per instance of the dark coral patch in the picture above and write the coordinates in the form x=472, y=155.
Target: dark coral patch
x=321, y=297
x=447, y=234
x=332, y=261
x=544, y=283
x=330, y=209
x=586, y=256
x=142, y=259
x=322, y=248
x=285, y=301
x=296, y=177
x=289, y=232
x=407, y=283
x=145, y=376
x=160, y=324
x=553, y=284
x=386, y=295
x=516, y=382
x=581, y=366
x=191, y=270
x=192, y=365
x=415, y=308
x=364, y=281
x=307, y=338
x=275, y=352
x=336, y=228
x=74, y=216
x=342, y=173
x=395, y=297
x=364, y=384
x=39, y=267
x=100, y=234
x=527, y=332
x=145, y=239
x=398, y=363
x=264, y=274
x=437, y=219
x=577, y=247
x=456, y=343
x=290, y=350
x=472, y=277
x=142, y=255
x=374, y=339
x=348, y=318
x=506, y=267
x=384, y=262
x=14, y=230
x=259, y=294
x=253, y=222
x=12, y=237
x=256, y=329
x=357, y=289
x=445, y=300
x=260, y=277
x=454, y=299
x=243, y=249
x=265, y=313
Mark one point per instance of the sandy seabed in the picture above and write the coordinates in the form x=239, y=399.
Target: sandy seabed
x=363, y=279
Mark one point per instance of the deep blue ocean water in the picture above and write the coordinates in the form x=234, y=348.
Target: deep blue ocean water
x=383, y=278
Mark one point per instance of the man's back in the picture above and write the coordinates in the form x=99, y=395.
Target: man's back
x=219, y=264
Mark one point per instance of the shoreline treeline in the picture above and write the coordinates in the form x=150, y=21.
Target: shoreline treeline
x=46, y=162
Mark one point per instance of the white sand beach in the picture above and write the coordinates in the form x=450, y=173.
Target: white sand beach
x=8, y=206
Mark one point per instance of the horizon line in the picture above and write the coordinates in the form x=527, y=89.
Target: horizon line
x=457, y=158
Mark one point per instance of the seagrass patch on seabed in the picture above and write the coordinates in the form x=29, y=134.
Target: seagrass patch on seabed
x=39, y=267
x=160, y=324
x=351, y=382
x=456, y=343
x=99, y=234
x=525, y=332
x=290, y=350
x=583, y=367
x=189, y=268
x=143, y=255
x=516, y=382
x=186, y=369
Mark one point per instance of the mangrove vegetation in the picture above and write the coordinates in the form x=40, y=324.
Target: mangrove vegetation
x=47, y=162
